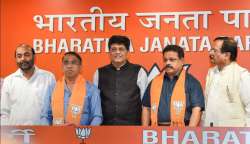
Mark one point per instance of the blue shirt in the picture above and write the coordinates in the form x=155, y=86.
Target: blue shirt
x=194, y=97
x=92, y=112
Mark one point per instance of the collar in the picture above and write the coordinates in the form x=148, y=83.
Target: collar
x=176, y=76
x=66, y=88
x=124, y=67
x=19, y=72
x=225, y=69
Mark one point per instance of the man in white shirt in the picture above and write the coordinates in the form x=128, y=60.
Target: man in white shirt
x=227, y=89
x=26, y=93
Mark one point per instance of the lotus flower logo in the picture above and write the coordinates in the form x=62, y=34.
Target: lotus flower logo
x=75, y=110
x=83, y=133
x=178, y=105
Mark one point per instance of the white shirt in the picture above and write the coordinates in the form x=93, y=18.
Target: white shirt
x=213, y=95
x=245, y=94
x=23, y=100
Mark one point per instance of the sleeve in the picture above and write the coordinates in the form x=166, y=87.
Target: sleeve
x=5, y=103
x=142, y=81
x=96, y=78
x=245, y=94
x=207, y=83
x=46, y=116
x=95, y=107
x=146, y=97
x=196, y=94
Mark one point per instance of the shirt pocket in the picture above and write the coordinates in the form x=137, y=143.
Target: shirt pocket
x=39, y=94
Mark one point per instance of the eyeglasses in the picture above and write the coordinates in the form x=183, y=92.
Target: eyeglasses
x=214, y=50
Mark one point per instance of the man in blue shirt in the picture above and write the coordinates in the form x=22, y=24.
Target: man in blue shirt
x=173, y=57
x=75, y=100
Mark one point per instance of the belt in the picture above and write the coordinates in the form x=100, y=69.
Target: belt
x=164, y=123
x=169, y=123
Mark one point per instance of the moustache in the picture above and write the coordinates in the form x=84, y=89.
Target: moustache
x=24, y=62
x=25, y=65
x=211, y=57
x=167, y=66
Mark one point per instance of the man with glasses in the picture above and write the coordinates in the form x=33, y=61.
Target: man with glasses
x=227, y=89
x=75, y=101
x=122, y=85
x=174, y=97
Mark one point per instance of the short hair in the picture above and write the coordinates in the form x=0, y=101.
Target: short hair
x=74, y=54
x=175, y=48
x=229, y=45
x=23, y=45
x=119, y=39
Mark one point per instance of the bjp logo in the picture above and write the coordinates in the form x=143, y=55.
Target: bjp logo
x=82, y=134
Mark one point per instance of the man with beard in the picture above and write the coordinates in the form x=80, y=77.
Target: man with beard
x=75, y=100
x=122, y=85
x=227, y=88
x=174, y=97
x=26, y=93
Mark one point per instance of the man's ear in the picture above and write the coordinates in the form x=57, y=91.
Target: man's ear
x=182, y=60
x=81, y=69
x=228, y=55
x=62, y=67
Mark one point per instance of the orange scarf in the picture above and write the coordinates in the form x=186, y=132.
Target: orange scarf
x=178, y=100
x=76, y=102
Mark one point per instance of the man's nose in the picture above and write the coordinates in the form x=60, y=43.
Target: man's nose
x=22, y=58
x=211, y=52
x=69, y=65
x=117, y=51
x=168, y=62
